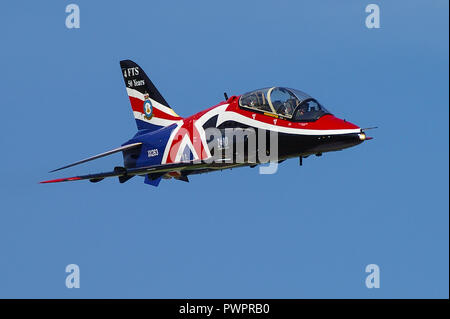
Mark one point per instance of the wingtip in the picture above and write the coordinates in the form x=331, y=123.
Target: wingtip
x=67, y=179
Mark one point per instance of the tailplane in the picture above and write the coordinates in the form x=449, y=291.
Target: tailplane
x=150, y=109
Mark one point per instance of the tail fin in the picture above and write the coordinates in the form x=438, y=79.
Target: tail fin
x=150, y=109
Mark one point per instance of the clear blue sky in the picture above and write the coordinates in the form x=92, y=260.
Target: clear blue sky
x=304, y=232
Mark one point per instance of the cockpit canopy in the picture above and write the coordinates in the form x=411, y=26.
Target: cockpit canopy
x=292, y=104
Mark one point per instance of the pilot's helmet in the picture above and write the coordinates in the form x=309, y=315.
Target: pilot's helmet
x=288, y=107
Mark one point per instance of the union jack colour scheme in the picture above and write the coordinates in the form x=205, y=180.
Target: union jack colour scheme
x=168, y=146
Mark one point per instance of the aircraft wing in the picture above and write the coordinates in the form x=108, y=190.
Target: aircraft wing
x=125, y=174
x=119, y=149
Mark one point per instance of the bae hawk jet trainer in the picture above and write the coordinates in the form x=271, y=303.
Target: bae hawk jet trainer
x=169, y=146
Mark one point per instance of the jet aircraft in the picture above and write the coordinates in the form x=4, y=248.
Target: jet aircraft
x=168, y=146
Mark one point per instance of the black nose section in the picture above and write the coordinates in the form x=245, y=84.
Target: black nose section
x=337, y=142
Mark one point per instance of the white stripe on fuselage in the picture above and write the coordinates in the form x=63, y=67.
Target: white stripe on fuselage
x=169, y=142
x=233, y=116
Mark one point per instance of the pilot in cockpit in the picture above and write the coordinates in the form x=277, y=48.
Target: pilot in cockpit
x=289, y=106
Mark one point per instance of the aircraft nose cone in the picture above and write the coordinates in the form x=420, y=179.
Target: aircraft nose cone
x=362, y=136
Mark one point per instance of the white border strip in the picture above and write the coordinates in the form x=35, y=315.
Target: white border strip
x=233, y=116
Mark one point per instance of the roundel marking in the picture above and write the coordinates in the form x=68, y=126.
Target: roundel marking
x=148, y=109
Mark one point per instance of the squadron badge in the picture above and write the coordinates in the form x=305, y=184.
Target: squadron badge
x=148, y=107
